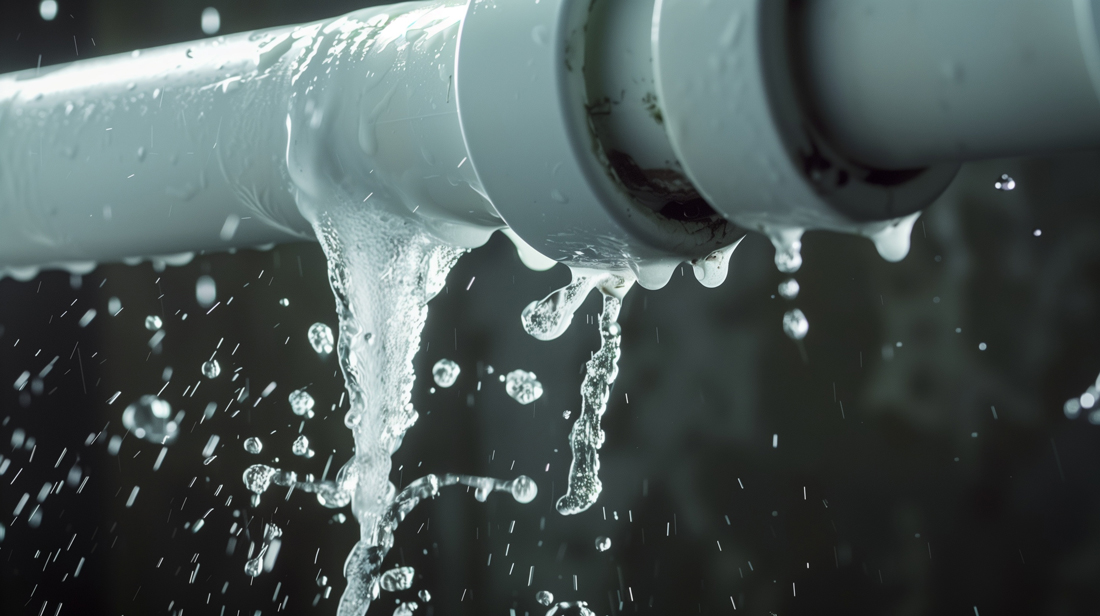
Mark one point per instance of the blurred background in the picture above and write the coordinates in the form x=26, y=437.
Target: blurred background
x=910, y=456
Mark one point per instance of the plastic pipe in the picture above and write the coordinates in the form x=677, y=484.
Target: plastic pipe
x=908, y=83
x=622, y=134
x=212, y=145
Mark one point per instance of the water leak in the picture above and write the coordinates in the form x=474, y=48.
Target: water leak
x=587, y=437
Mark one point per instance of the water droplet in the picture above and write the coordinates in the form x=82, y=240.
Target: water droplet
x=150, y=418
x=566, y=414
x=301, y=403
x=544, y=597
x=211, y=369
x=1005, y=183
x=153, y=323
x=982, y=346
x=1072, y=408
x=284, y=302
x=254, y=566
x=253, y=445
x=789, y=288
x=206, y=291
x=523, y=386
x=795, y=324
x=524, y=489
x=445, y=372
x=603, y=544
x=565, y=608
x=48, y=9
x=406, y=608
x=211, y=21
x=301, y=446
x=320, y=338
x=397, y=579
x=424, y=595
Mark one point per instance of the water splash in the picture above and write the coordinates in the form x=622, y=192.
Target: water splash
x=394, y=580
x=586, y=437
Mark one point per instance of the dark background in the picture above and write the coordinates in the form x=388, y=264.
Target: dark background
x=919, y=499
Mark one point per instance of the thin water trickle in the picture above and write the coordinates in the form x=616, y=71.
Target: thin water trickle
x=587, y=437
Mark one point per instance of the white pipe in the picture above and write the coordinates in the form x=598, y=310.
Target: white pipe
x=186, y=147
x=907, y=83
x=623, y=134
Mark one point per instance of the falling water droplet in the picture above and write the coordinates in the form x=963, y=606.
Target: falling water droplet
x=603, y=544
x=320, y=338
x=795, y=324
x=211, y=21
x=206, y=291
x=789, y=288
x=544, y=597
x=301, y=446
x=253, y=445
x=150, y=418
x=1005, y=183
x=445, y=372
x=524, y=387
x=153, y=323
x=211, y=369
x=397, y=579
x=301, y=403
